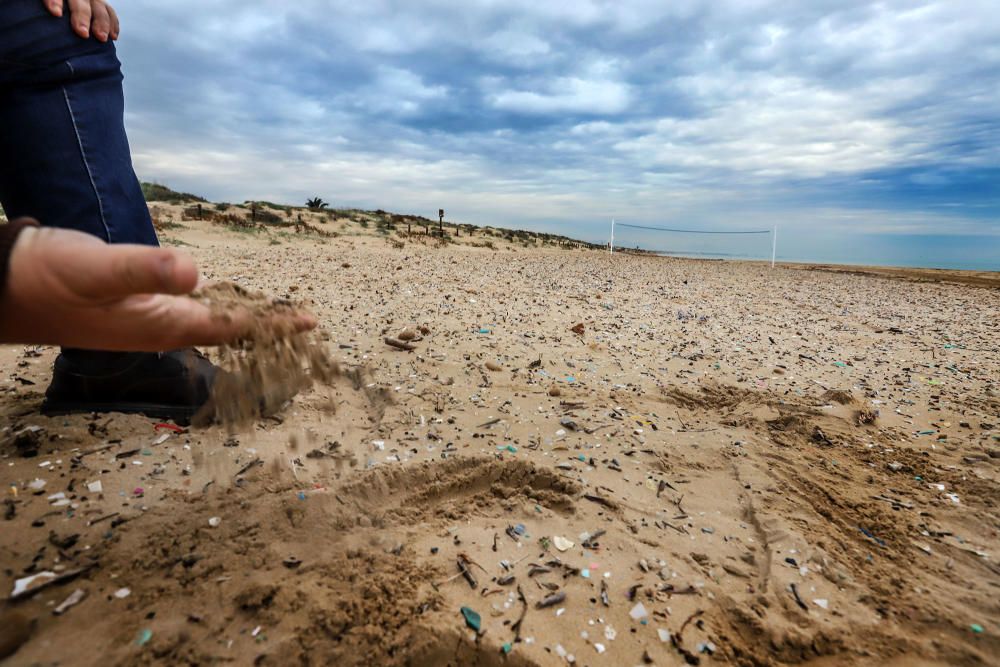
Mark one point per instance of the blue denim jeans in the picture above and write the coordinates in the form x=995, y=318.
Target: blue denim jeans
x=64, y=156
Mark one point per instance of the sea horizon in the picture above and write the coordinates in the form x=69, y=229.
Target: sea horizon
x=946, y=265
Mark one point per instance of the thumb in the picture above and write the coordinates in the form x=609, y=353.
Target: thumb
x=117, y=271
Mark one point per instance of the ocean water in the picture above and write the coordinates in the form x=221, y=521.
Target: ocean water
x=916, y=263
x=971, y=253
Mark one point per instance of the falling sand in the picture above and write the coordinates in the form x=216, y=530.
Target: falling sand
x=267, y=367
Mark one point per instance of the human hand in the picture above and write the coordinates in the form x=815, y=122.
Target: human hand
x=88, y=17
x=69, y=288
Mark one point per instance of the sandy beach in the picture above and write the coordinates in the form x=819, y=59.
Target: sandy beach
x=589, y=459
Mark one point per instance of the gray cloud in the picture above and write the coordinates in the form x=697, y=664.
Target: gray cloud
x=865, y=117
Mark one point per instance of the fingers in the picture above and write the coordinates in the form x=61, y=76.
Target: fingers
x=104, y=273
x=100, y=24
x=89, y=17
x=187, y=322
x=115, y=25
x=79, y=12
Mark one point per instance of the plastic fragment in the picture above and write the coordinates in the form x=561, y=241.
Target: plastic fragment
x=638, y=611
x=561, y=543
x=25, y=584
x=144, y=636
x=169, y=427
x=472, y=619
x=75, y=598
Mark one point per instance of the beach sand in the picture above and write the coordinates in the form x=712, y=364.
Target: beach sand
x=709, y=461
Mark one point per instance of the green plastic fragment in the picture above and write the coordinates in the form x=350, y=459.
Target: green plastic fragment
x=840, y=364
x=507, y=648
x=510, y=448
x=144, y=637
x=472, y=619
x=978, y=629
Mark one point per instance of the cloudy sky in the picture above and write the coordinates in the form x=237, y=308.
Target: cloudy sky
x=869, y=126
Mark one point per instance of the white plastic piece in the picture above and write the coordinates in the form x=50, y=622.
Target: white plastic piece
x=638, y=612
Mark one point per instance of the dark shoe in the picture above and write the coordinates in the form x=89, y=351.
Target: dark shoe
x=165, y=385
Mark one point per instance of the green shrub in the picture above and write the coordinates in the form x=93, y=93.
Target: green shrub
x=157, y=192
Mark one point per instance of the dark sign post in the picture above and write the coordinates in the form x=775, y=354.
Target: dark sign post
x=441, y=222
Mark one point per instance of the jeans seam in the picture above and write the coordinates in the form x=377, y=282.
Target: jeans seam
x=83, y=156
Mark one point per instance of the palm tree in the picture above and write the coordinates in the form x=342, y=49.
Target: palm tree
x=316, y=203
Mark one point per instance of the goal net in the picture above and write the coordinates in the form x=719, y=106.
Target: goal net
x=722, y=244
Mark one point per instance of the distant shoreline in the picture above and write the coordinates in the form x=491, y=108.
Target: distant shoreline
x=739, y=258
x=972, y=277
